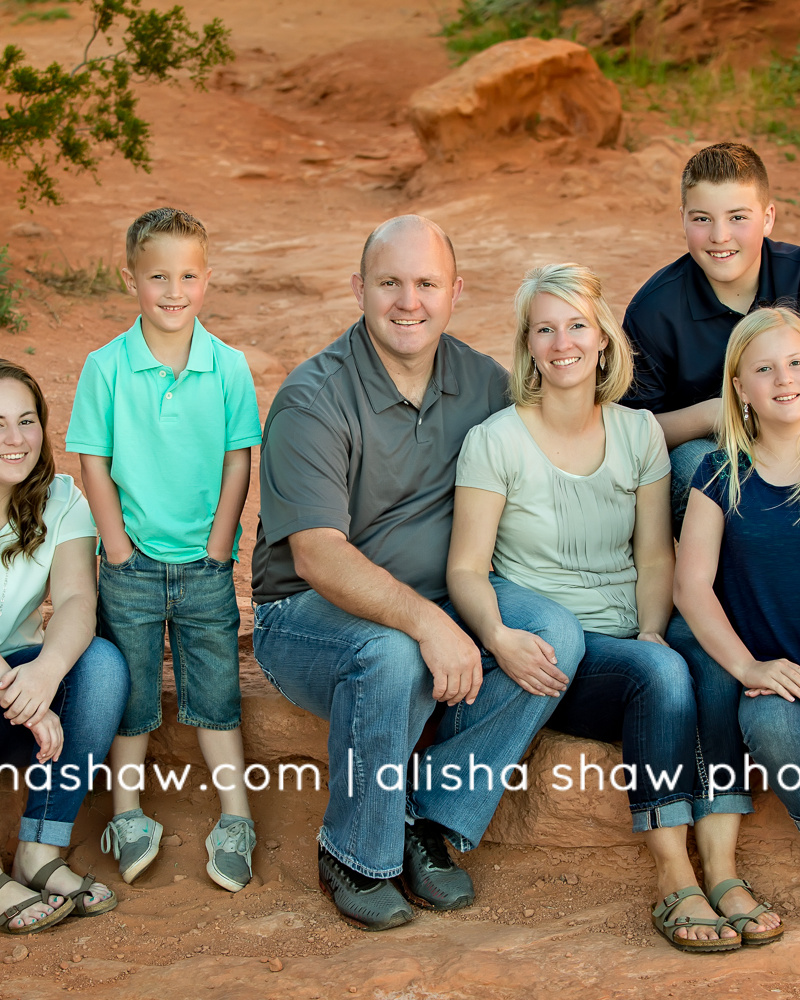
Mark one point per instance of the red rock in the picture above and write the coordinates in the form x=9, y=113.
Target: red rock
x=545, y=89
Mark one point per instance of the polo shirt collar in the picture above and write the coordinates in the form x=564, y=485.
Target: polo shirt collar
x=378, y=385
x=201, y=354
x=703, y=302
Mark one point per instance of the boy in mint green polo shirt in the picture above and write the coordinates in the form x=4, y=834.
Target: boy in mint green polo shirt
x=164, y=419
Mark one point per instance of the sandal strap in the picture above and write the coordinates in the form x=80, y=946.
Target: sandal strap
x=740, y=920
x=39, y=880
x=663, y=909
x=719, y=890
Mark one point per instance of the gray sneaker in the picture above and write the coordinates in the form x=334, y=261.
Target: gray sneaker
x=230, y=854
x=431, y=878
x=134, y=839
x=371, y=904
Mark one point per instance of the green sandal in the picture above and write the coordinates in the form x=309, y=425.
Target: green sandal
x=666, y=927
x=740, y=920
x=39, y=881
x=39, y=924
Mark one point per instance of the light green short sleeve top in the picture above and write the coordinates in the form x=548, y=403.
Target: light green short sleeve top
x=569, y=537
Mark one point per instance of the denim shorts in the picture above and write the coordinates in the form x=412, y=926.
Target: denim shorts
x=197, y=603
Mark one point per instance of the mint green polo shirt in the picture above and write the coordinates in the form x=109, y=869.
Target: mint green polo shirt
x=166, y=437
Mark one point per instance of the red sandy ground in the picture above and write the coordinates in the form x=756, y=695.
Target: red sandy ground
x=290, y=171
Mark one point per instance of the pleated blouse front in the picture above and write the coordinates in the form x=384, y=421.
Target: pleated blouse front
x=569, y=537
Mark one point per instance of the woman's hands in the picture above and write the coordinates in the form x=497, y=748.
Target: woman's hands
x=50, y=737
x=528, y=660
x=763, y=677
x=26, y=694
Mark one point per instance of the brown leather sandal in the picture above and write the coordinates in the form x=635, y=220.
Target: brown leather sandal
x=39, y=881
x=40, y=923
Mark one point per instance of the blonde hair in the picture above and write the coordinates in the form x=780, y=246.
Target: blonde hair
x=737, y=436
x=579, y=287
x=163, y=222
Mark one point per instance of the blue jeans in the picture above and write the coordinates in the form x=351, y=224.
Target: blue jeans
x=197, y=601
x=685, y=460
x=771, y=728
x=89, y=702
x=641, y=693
x=720, y=750
x=373, y=686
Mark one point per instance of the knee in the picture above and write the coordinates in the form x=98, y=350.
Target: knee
x=665, y=677
x=393, y=660
x=564, y=633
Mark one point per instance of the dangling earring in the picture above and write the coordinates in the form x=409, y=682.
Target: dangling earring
x=602, y=360
x=746, y=412
x=535, y=372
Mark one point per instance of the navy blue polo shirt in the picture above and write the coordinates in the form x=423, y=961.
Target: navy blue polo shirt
x=679, y=328
x=344, y=449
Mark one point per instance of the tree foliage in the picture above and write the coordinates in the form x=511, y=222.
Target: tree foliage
x=61, y=117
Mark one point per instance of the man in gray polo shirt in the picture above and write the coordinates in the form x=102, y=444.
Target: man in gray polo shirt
x=352, y=619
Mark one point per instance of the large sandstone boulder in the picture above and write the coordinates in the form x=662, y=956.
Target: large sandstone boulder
x=528, y=86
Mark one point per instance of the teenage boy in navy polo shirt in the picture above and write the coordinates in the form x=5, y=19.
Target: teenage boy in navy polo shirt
x=680, y=320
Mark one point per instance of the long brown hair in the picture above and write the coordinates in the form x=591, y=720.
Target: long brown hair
x=27, y=501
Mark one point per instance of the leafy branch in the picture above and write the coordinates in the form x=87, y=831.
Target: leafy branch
x=56, y=116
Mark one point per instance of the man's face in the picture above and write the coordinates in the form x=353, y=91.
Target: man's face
x=725, y=225
x=407, y=294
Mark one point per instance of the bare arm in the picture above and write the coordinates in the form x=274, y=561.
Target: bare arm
x=698, y=557
x=344, y=576
x=654, y=558
x=232, y=495
x=27, y=691
x=101, y=492
x=697, y=421
x=524, y=656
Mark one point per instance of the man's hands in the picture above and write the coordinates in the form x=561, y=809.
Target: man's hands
x=454, y=661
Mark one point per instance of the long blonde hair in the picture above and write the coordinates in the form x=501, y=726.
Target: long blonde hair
x=579, y=287
x=737, y=436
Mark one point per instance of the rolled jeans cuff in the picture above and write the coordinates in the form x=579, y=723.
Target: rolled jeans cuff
x=45, y=831
x=723, y=802
x=657, y=817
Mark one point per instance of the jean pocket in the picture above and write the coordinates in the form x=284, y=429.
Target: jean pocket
x=218, y=565
x=117, y=566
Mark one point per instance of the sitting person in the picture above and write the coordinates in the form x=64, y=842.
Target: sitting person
x=567, y=493
x=737, y=565
x=352, y=619
x=62, y=691
x=680, y=320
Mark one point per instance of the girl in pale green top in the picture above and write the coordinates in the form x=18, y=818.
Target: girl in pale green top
x=566, y=493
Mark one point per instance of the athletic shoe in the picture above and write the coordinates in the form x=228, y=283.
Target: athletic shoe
x=372, y=904
x=430, y=877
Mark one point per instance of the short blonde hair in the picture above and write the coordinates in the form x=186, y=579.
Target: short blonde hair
x=738, y=436
x=163, y=222
x=580, y=287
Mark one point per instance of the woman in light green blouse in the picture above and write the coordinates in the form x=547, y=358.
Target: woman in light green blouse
x=566, y=493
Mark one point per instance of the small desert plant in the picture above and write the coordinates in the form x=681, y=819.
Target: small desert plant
x=94, y=279
x=10, y=292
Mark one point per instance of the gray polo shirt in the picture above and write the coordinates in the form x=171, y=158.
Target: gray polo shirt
x=343, y=449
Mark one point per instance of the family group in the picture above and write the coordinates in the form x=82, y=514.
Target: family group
x=448, y=557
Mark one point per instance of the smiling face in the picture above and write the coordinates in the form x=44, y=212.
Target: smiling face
x=769, y=376
x=407, y=294
x=565, y=341
x=20, y=434
x=725, y=225
x=169, y=278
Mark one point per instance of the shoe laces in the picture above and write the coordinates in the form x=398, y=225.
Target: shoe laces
x=239, y=837
x=431, y=843
x=120, y=832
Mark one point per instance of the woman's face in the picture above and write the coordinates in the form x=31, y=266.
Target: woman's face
x=565, y=342
x=20, y=433
x=769, y=375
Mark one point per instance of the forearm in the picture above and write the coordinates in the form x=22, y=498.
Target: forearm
x=697, y=421
x=474, y=599
x=706, y=617
x=67, y=636
x=103, y=497
x=341, y=574
x=654, y=596
x=232, y=495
